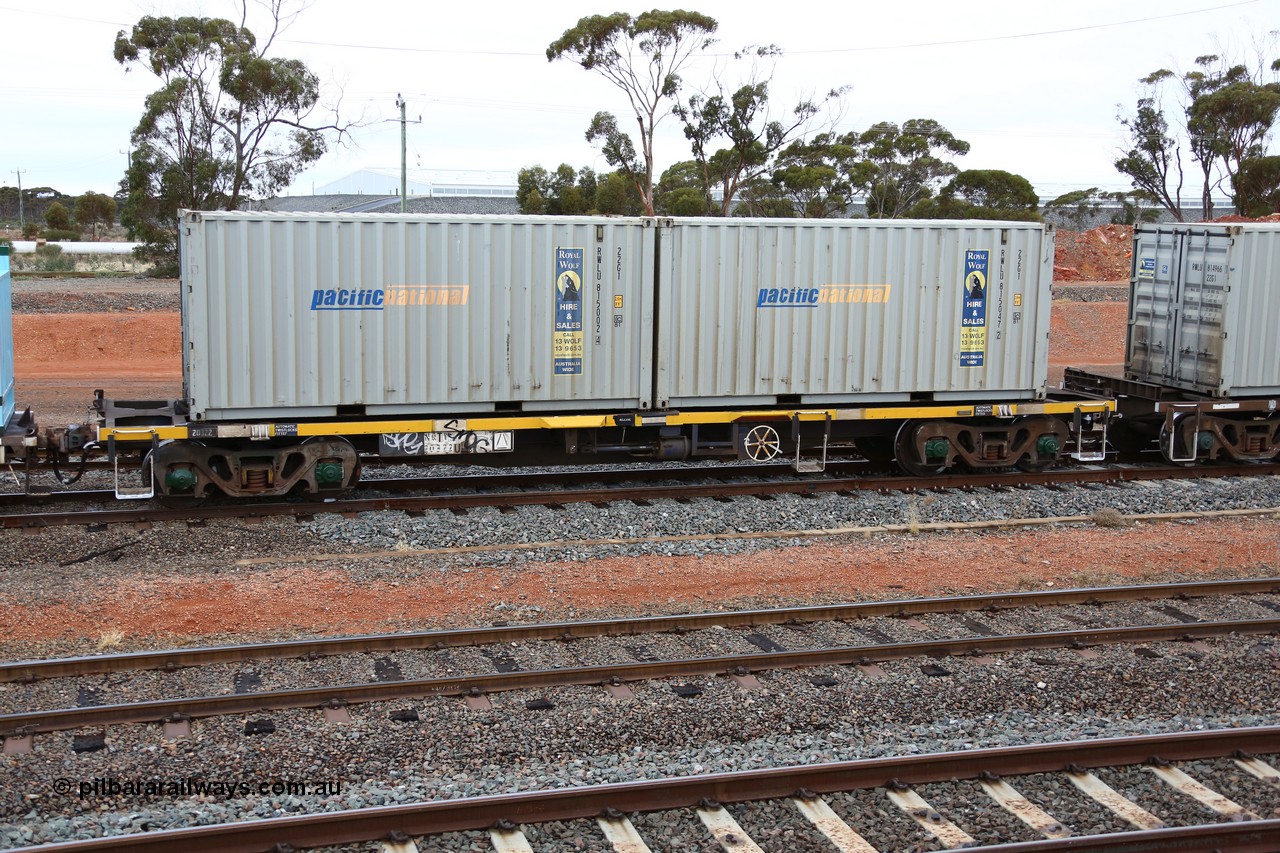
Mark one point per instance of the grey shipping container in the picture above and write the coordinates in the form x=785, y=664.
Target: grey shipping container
x=305, y=315
x=755, y=312
x=1204, y=308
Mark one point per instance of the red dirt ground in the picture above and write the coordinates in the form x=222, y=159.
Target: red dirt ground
x=1098, y=255
x=322, y=598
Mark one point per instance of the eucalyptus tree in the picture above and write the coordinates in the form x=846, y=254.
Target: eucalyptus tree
x=899, y=166
x=1225, y=117
x=227, y=123
x=983, y=194
x=643, y=56
x=736, y=133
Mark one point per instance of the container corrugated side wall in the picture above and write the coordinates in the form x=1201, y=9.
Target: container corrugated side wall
x=1252, y=364
x=280, y=317
x=7, y=402
x=852, y=311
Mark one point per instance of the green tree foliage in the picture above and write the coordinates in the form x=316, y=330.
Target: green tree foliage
x=814, y=176
x=559, y=193
x=616, y=195
x=682, y=191
x=95, y=209
x=739, y=127
x=1257, y=186
x=57, y=217
x=893, y=168
x=35, y=201
x=1077, y=207
x=1153, y=160
x=983, y=194
x=642, y=56
x=897, y=167
x=764, y=198
x=533, y=202
x=1237, y=114
x=1227, y=112
x=1136, y=206
x=9, y=203
x=809, y=189
x=227, y=123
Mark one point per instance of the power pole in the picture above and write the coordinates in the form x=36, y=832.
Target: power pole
x=22, y=221
x=403, y=145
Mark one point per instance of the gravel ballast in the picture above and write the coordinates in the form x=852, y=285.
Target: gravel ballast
x=579, y=736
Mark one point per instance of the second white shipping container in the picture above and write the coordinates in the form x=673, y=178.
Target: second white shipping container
x=760, y=311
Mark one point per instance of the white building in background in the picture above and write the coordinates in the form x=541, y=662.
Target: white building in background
x=425, y=183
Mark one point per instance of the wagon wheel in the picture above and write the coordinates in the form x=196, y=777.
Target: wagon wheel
x=170, y=501
x=908, y=460
x=761, y=443
x=1043, y=454
x=1034, y=466
x=357, y=465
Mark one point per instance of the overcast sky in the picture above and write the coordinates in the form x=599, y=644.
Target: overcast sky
x=1033, y=87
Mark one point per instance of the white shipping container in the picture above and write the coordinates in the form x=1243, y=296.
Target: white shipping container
x=322, y=315
x=763, y=311
x=1204, y=308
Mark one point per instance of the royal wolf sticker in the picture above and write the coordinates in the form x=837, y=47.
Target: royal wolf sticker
x=566, y=341
x=973, y=319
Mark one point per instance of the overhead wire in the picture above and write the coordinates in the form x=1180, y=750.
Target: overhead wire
x=856, y=49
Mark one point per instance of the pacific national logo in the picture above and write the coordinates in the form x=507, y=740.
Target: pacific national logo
x=392, y=296
x=827, y=294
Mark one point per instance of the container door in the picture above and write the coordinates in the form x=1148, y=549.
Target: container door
x=1176, y=310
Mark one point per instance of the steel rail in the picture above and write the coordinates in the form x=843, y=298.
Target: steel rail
x=33, y=722
x=632, y=493
x=476, y=813
x=170, y=659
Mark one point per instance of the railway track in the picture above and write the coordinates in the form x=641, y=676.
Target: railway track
x=530, y=490
x=171, y=659
x=615, y=675
x=500, y=479
x=820, y=797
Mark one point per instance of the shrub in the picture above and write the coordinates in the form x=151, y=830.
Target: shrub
x=61, y=234
x=49, y=258
x=30, y=230
x=57, y=217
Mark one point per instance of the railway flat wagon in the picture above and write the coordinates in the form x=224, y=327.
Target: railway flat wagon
x=312, y=341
